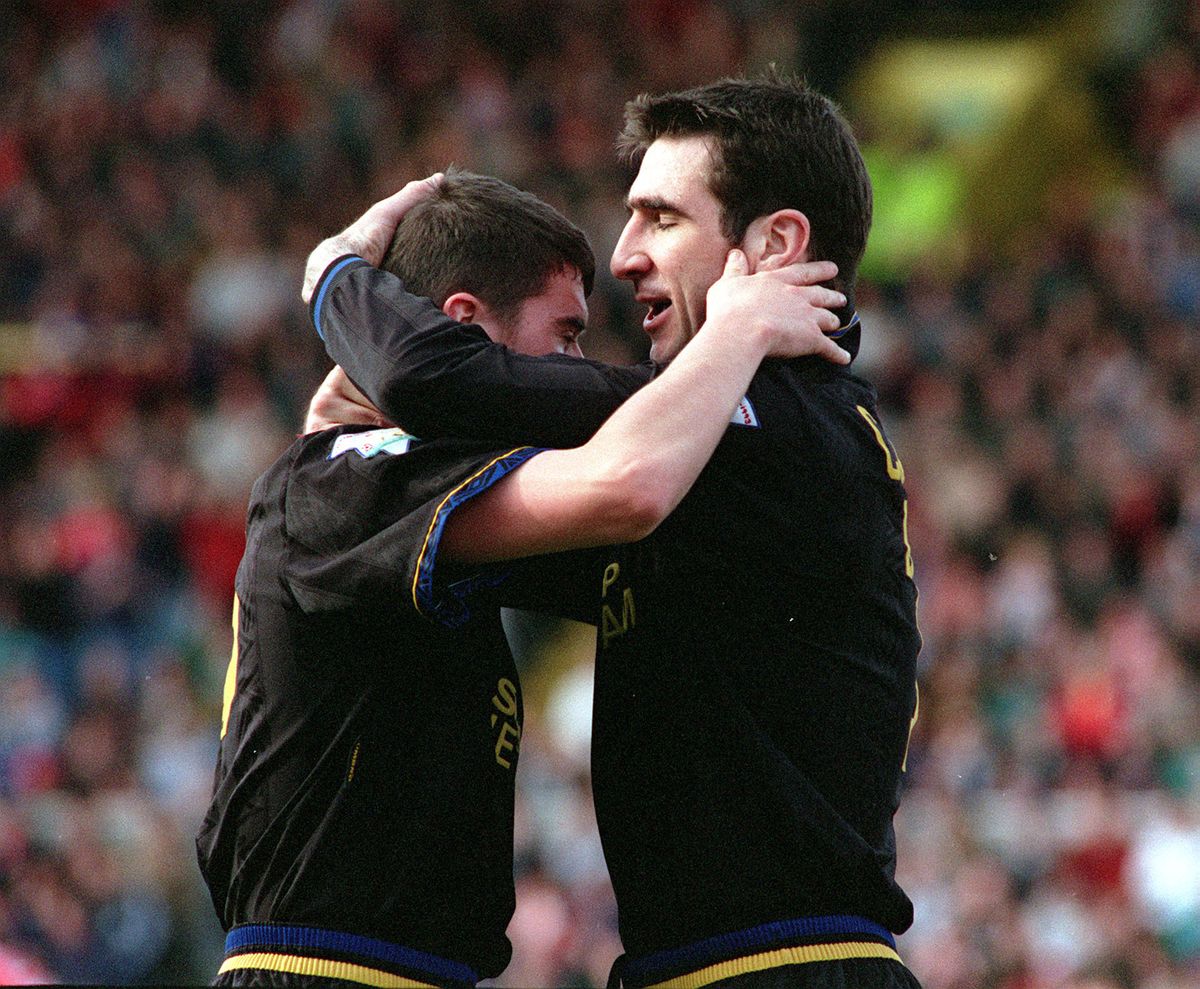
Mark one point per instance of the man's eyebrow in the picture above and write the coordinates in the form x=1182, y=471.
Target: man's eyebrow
x=654, y=204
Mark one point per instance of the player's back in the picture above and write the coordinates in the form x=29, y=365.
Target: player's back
x=755, y=677
x=365, y=778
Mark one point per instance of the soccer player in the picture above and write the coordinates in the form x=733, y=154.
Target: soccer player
x=756, y=656
x=361, y=822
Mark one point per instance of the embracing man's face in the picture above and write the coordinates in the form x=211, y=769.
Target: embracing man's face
x=550, y=322
x=672, y=248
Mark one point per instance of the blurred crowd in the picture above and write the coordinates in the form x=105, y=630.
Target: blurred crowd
x=164, y=169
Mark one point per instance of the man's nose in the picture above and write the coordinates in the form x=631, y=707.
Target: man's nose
x=628, y=258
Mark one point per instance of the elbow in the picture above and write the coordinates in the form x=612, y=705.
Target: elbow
x=643, y=503
x=638, y=521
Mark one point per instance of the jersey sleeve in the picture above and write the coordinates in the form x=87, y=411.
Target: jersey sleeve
x=563, y=584
x=364, y=514
x=439, y=377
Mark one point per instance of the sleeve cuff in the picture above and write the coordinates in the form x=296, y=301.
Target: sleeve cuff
x=337, y=267
x=449, y=606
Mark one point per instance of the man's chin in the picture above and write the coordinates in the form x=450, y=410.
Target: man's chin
x=660, y=353
x=666, y=344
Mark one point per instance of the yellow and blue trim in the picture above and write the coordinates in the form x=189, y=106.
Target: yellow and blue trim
x=450, y=609
x=326, y=954
x=841, y=331
x=799, y=941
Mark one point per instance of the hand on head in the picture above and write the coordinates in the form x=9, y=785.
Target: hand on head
x=369, y=235
x=338, y=402
x=789, y=304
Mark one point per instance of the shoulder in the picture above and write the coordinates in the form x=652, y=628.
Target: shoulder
x=809, y=414
x=810, y=382
x=352, y=481
x=349, y=456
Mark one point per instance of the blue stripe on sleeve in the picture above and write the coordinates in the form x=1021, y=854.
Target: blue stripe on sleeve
x=328, y=277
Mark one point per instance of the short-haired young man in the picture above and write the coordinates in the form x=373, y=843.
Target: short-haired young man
x=756, y=657
x=361, y=822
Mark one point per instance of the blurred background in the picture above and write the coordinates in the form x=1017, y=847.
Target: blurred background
x=1032, y=304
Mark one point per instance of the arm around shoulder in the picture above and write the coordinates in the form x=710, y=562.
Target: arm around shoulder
x=629, y=477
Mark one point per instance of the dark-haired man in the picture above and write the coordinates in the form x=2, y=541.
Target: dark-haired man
x=755, y=677
x=360, y=829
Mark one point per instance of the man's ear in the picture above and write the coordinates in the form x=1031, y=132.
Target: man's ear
x=777, y=240
x=463, y=307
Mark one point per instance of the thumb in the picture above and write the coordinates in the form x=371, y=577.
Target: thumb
x=736, y=264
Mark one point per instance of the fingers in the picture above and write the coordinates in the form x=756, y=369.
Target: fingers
x=825, y=346
x=807, y=272
x=828, y=321
x=828, y=349
x=805, y=275
x=809, y=336
x=369, y=235
x=387, y=213
x=826, y=298
x=736, y=264
x=822, y=302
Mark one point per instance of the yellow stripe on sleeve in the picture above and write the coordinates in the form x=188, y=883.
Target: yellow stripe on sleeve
x=438, y=514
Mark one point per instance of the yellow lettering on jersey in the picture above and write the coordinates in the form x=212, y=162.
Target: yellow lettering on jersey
x=908, y=563
x=503, y=745
x=611, y=573
x=911, y=725
x=895, y=469
x=610, y=627
x=230, y=673
x=504, y=700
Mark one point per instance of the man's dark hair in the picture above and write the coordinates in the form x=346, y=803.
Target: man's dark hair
x=481, y=235
x=776, y=144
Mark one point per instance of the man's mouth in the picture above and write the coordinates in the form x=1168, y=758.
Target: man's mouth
x=656, y=315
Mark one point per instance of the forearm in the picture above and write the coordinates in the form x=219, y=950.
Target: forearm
x=441, y=378
x=660, y=440
x=620, y=485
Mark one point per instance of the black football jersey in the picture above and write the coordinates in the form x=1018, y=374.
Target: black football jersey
x=756, y=656
x=372, y=718
x=755, y=677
